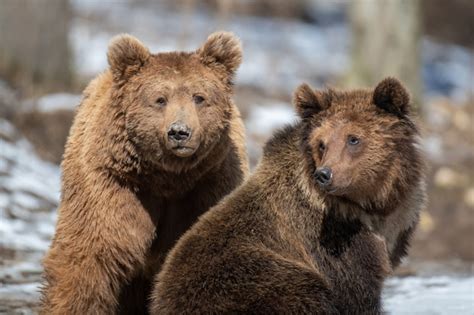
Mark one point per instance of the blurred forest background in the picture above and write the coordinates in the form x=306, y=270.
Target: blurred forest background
x=51, y=49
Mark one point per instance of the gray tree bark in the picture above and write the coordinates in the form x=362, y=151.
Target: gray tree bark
x=386, y=42
x=35, y=54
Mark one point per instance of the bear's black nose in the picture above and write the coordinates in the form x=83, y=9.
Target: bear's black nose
x=323, y=176
x=179, y=132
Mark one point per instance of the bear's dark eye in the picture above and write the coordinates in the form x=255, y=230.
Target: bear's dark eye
x=322, y=146
x=353, y=140
x=198, y=99
x=161, y=101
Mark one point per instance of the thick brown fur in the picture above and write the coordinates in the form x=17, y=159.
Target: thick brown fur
x=128, y=191
x=281, y=244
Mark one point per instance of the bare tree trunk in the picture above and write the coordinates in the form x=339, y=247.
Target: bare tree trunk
x=224, y=11
x=35, y=54
x=386, y=42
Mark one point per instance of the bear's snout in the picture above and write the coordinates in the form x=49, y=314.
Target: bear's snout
x=182, y=140
x=323, y=176
x=179, y=132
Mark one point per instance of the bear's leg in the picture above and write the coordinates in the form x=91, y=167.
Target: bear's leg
x=290, y=288
x=95, y=253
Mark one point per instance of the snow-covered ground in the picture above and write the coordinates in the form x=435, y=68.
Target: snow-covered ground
x=430, y=295
x=29, y=194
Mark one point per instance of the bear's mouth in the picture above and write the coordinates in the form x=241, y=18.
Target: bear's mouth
x=183, y=151
x=331, y=190
x=334, y=190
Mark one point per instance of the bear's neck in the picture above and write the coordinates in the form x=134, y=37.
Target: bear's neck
x=283, y=178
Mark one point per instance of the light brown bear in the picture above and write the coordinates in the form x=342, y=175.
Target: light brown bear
x=156, y=141
x=314, y=230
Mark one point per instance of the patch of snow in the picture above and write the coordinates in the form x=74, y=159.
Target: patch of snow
x=57, y=101
x=263, y=120
x=30, y=189
x=433, y=146
x=25, y=292
x=6, y=129
x=19, y=269
x=4, y=201
x=21, y=235
x=447, y=71
x=90, y=48
x=28, y=172
x=3, y=165
x=430, y=296
x=25, y=200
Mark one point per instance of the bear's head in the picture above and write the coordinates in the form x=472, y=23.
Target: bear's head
x=176, y=106
x=360, y=146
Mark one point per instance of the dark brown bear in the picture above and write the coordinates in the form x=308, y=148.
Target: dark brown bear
x=156, y=141
x=301, y=235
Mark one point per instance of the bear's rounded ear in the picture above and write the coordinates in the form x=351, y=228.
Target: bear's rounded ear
x=391, y=96
x=222, y=49
x=126, y=55
x=307, y=102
